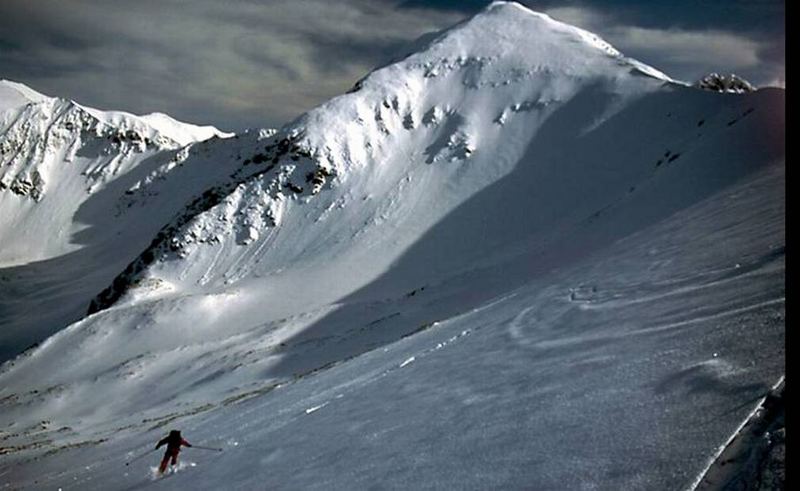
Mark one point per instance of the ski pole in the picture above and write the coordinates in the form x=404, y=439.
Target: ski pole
x=141, y=456
x=207, y=448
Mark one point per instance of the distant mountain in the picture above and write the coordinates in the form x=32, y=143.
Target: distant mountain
x=69, y=219
x=514, y=258
x=46, y=143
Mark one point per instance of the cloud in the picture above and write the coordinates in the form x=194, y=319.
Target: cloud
x=578, y=16
x=708, y=48
x=235, y=64
x=685, y=53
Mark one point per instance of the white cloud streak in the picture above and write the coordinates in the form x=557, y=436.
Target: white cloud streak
x=681, y=53
x=711, y=48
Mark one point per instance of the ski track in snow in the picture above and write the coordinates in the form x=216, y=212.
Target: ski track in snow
x=208, y=275
x=244, y=261
x=563, y=341
x=590, y=304
x=516, y=325
x=392, y=370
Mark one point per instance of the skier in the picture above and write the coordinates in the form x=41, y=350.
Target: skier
x=173, y=442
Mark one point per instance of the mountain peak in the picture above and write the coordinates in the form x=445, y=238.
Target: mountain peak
x=15, y=94
x=520, y=60
x=538, y=40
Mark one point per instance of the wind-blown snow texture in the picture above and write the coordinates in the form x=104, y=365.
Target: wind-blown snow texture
x=514, y=258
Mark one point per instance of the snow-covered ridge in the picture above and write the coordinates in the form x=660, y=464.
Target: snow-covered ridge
x=55, y=145
x=181, y=133
x=36, y=131
x=37, y=137
x=15, y=94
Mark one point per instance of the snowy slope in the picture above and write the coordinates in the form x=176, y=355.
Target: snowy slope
x=517, y=263
x=68, y=223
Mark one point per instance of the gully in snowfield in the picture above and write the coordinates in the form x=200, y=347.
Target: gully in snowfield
x=173, y=442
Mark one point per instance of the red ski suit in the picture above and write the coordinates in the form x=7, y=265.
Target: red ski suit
x=173, y=443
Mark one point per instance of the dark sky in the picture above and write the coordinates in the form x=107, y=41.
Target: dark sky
x=249, y=63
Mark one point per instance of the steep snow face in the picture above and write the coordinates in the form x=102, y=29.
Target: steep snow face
x=487, y=183
x=72, y=151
